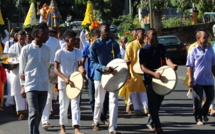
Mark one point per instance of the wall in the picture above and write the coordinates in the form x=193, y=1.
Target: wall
x=187, y=33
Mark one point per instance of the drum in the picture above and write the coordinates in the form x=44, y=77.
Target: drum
x=73, y=91
x=137, y=69
x=167, y=83
x=112, y=82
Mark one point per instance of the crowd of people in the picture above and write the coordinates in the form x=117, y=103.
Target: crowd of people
x=47, y=58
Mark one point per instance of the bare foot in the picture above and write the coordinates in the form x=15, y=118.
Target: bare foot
x=128, y=109
x=1, y=109
x=62, y=129
x=199, y=123
x=212, y=112
x=205, y=118
x=151, y=128
x=77, y=131
x=21, y=117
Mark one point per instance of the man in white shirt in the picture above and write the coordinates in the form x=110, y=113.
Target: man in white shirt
x=8, y=44
x=34, y=61
x=53, y=45
x=124, y=41
x=21, y=106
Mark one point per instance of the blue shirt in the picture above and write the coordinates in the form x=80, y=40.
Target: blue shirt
x=86, y=54
x=202, y=62
x=152, y=58
x=101, y=54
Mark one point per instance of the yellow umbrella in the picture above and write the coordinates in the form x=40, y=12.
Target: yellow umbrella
x=31, y=16
x=1, y=19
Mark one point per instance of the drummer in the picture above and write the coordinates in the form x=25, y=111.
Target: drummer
x=102, y=52
x=137, y=89
x=151, y=57
x=68, y=60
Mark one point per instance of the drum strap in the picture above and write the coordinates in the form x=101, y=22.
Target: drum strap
x=112, y=51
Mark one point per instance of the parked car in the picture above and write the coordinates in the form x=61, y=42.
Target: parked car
x=176, y=49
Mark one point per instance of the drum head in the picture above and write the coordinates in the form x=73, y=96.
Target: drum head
x=114, y=81
x=73, y=91
x=137, y=69
x=167, y=83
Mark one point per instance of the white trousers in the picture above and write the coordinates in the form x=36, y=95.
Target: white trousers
x=139, y=100
x=21, y=104
x=48, y=106
x=64, y=105
x=113, y=105
x=10, y=99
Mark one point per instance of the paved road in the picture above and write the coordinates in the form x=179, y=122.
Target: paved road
x=175, y=114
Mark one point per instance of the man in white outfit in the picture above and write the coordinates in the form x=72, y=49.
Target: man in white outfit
x=68, y=60
x=21, y=105
x=53, y=45
x=8, y=44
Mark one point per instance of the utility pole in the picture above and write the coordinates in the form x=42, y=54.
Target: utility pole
x=129, y=3
x=150, y=12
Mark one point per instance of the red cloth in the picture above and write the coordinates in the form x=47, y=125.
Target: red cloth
x=2, y=79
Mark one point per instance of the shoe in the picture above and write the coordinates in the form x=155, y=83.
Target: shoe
x=45, y=126
x=106, y=122
x=96, y=128
x=115, y=132
x=205, y=119
x=159, y=131
x=151, y=128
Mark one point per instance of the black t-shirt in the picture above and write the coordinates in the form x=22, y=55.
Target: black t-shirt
x=152, y=57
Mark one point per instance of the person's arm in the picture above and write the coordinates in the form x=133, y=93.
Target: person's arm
x=6, y=48
x=22, y=65
x=171, y=64
x=190, y=64
x=190, y=76
x=60, y=74
x=83, y=39
x=6, y=37
x=117, y=50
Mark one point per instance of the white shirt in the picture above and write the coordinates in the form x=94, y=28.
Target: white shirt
x=6, y=37
x=34, y=62
x=83, y=39
x=8, y=44
x=122, y=52
x=68, y=63
x=14, y=75
x=63, y=45
x=61, y=42
x=53, y=45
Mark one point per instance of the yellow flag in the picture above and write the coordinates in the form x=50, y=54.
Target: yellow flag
x=1, y=19
x=31, y=16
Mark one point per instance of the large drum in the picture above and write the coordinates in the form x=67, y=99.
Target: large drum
x=167, y=83
x=112, y=82
x=73, y=91
x=137, y=69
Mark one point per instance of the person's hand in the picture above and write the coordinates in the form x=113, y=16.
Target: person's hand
x=67, y=81
x=109, y=69
x=190, y=83
x=85, y=82
x=174, y=67
x=23, y=94
x=22, y=77
x=157, y=75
